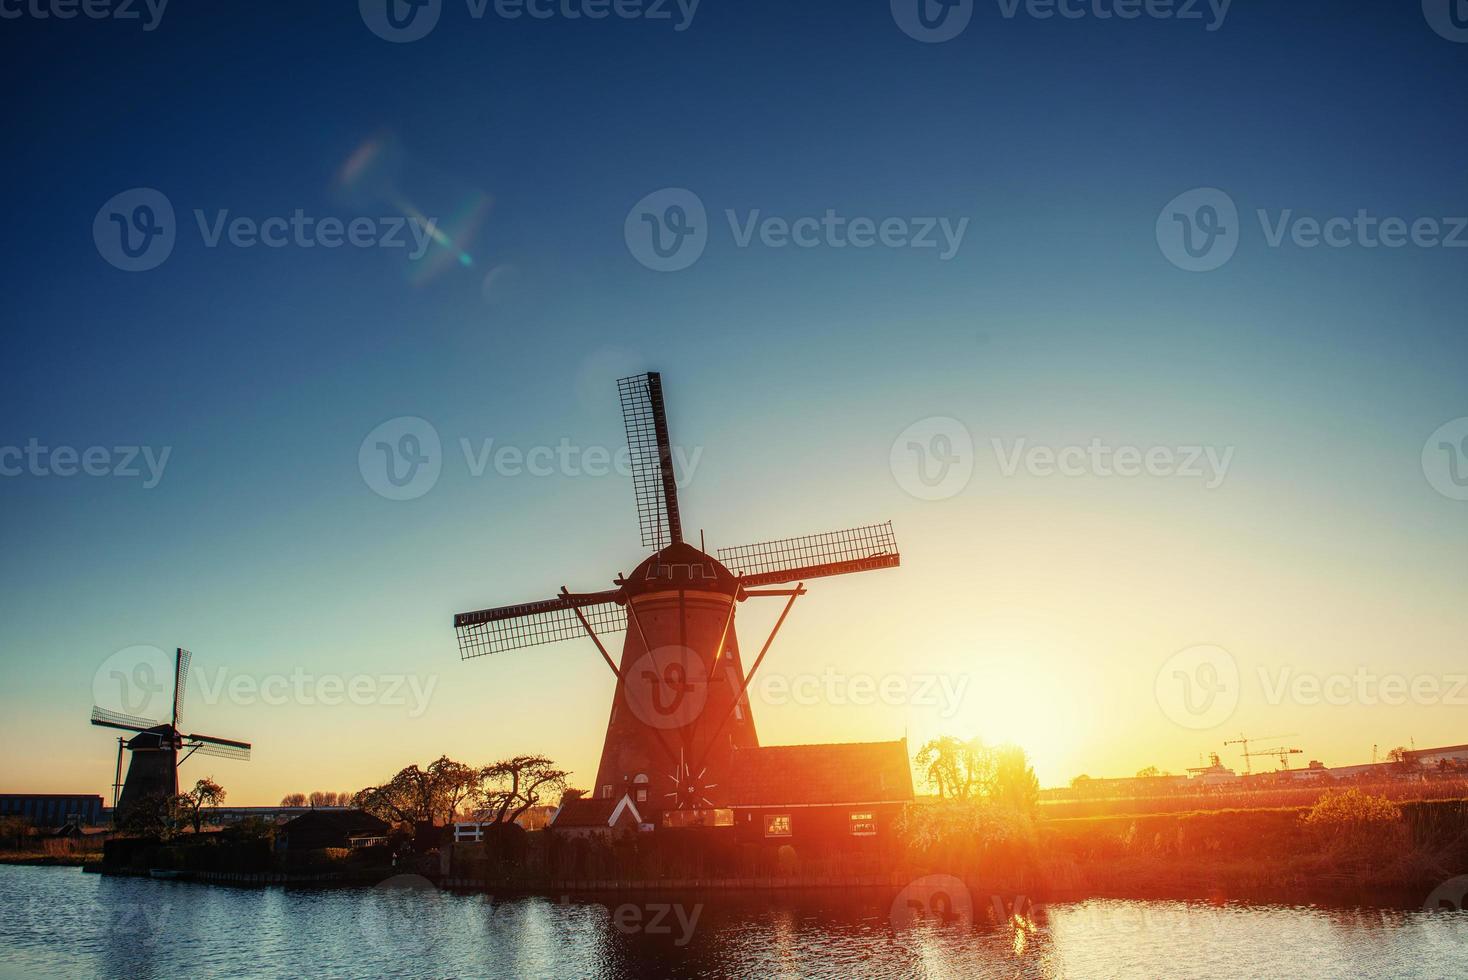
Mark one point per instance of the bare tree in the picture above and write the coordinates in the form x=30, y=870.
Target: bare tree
x=293, y=799
x=512, y=786
x=421, y=795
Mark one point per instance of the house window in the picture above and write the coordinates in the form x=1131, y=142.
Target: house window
x=640, y=782
x=863, y=824
x=777, y=825
x=606, y=791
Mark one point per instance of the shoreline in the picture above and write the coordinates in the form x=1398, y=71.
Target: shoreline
x=1320, y=893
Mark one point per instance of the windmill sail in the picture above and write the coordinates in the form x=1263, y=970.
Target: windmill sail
x=535, y=623
x=223, y=752
x=224, y=748
x=118, y=719
x=180, y=681
x=858, y=549
x=653, y=484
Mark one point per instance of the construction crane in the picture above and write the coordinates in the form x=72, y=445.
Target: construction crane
x=1280, y=752
x=1244, y=740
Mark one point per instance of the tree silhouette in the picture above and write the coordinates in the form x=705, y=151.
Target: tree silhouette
x=206, y=795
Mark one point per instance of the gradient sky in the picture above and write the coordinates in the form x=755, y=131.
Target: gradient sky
x=1055, y=600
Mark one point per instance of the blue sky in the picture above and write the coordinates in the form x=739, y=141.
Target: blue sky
x=1058, y=320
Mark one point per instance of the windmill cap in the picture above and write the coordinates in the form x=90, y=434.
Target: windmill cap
x=681, y=566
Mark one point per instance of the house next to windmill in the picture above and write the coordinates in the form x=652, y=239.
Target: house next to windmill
x=681, y=744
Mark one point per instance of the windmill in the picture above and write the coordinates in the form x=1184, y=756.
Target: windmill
x=153, y=768
x=680, y=705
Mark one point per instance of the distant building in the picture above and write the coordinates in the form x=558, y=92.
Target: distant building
x=337, y=828
x=472, y=831
x=1213, y=774
x=1366, y=771
x=53, y=810
x=840, y=794
x=1450, y=756
x=596, y=818
x=536, y=818
x=226, y=815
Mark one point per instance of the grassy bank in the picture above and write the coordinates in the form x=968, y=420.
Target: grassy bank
x=1222, y=798
x=72, y=859
x=1385, y=848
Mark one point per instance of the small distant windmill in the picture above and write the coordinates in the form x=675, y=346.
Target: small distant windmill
x=680, y=707
x=153, y=769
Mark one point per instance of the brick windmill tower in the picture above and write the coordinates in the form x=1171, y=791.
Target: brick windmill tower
x=680, y=711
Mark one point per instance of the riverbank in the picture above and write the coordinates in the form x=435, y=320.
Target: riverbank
x=1254, y=853
x=1264, y=854
x=41, y=859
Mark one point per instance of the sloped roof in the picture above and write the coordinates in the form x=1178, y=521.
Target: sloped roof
x=591, y=812
x=347, y=822
x=812, y=775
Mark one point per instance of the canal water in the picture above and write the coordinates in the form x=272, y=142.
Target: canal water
x=59, y=922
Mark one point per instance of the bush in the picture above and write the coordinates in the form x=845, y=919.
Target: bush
x=1352, y=809
x=1357, y=825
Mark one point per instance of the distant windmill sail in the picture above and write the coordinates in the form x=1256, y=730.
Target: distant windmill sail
x=180, y=682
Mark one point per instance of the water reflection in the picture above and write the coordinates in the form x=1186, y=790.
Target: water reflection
x=59, y=922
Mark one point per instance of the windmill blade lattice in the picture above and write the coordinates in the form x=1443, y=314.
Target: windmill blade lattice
x=221, y=751
x=857, y=549
x=180, y=682
x=646, y=421
x=118, y=719
x=536, y=623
